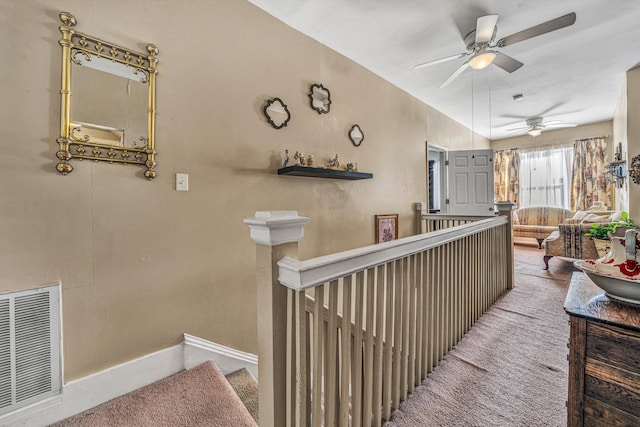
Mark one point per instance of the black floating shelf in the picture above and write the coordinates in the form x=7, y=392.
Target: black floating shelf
x=323, y=173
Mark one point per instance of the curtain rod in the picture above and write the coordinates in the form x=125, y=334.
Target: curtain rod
x=553, y=143
x=590, y=137
x=534, y=147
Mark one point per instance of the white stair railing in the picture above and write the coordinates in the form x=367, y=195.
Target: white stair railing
x=344, y=338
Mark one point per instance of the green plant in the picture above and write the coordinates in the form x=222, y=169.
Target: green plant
x=601, y=231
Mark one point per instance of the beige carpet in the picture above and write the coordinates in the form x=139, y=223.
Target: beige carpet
x=246, y=387
x=511, y=367
x=200, y=396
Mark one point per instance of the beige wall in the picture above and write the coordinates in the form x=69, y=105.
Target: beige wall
x=633, y=136
x=141, y=263
x=620, y=135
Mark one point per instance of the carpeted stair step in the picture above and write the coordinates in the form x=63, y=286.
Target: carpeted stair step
x=200, y=396
x=246, y=387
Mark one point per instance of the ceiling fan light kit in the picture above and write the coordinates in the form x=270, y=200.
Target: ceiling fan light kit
x=482, y=59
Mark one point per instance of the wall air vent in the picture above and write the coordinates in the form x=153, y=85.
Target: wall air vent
x=29, y=347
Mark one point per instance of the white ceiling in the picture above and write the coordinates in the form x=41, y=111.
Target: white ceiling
x=574, y=74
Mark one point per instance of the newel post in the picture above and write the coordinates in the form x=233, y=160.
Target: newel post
x=277, y=234
x=420, y=223
x=506, y=208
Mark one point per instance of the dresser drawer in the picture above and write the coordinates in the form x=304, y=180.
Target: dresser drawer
x=613, y=386
x=598, y=413
x=614, y=346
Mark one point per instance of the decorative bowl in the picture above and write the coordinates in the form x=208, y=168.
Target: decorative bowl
x=615, y=286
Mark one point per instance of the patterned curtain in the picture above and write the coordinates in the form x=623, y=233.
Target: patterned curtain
x=506, y=175
x=588, y=183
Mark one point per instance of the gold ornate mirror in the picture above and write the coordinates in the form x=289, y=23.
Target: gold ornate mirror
x=111, y=115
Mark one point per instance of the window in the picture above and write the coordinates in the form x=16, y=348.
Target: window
x=545, y=178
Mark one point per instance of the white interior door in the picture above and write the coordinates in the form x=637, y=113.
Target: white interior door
x=470, y=183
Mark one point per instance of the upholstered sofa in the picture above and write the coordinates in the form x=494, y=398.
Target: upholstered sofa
x=538, y=222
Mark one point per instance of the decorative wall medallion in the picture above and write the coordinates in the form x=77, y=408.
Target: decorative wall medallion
x=276, y=113
x=356, y=135
x=320, y=98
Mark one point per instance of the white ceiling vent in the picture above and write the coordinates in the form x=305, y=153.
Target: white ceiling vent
x=29, y=347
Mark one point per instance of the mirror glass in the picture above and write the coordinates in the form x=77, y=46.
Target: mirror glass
x=320, y=98
x=356, y=135
x=277, y=113
x=99, y=83
x=99, y=134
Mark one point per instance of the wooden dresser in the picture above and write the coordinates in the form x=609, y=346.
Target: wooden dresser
x=604, y=357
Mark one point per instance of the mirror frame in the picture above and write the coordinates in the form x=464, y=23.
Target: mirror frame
x=265, y=110
x=352, y=135
x=313, y=96
x=70, y=147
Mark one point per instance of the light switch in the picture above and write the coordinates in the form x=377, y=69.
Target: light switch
x=182, y=182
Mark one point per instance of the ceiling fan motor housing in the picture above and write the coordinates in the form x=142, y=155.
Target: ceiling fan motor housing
x=534, y=122
x=472, y=46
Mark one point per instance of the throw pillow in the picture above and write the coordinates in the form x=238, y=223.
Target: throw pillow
x=580, y=215
x=595, y=218
x=615, y=216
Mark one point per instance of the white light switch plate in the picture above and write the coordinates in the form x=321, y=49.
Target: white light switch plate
x=182, y=182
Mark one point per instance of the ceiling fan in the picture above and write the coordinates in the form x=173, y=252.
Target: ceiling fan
x=535, y=126
x=482, y=48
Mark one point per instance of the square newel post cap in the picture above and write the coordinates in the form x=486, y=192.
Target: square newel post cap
x=505, y=206
x=272, y=228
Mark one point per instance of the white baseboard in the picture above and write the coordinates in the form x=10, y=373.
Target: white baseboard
x=197, y=350
x=84, y=393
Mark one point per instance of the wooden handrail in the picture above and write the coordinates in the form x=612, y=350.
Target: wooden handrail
x=454, y=217
x=300, y=275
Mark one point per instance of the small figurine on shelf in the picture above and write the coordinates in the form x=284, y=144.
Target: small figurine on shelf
x=296, y=158
x=310, y=161
x=303, y=162
x=334, y=163
x=350, y=167
x=286, y=159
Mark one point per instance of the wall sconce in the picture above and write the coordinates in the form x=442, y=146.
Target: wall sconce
x=616, y=172
x=634, y=170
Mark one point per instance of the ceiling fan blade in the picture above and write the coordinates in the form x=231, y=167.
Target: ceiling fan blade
x=552, y=123
x=510, y=116
x=511, y=123
x=453, y=76
x=545, y=27
x=517, y=129
x=506, y=62
x=439, y=61
x=550, y=109
x=485, y=27
x=560, y=125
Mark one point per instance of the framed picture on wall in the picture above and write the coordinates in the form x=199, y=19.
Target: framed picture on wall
x=386, y=228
